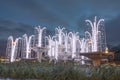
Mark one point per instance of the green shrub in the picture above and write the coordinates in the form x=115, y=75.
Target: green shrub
x=59, y=71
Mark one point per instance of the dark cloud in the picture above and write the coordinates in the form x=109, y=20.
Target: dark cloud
x=113, y=31
x=8, y=28
x=3, y=47
x=35, y=10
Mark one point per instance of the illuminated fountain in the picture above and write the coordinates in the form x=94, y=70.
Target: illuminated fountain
x=56, y=49
x=52, y=47
x=95, y=26
x=83, y=49
x=12, y=47
x=38, y=48
x=95, y=40
x=27, y=44
x=88, y=38
x=74, y=37
x=60, y=34
x=66, y=39
x=39, y=32
x=62, y=45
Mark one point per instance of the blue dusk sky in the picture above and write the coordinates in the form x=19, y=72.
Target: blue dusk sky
x=21, y=16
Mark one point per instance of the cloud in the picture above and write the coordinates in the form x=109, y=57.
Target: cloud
x=35, y=10
x=8, y=28
x=113, y=31
x=3, y=47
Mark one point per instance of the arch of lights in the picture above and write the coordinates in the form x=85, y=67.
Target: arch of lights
x=60, y=46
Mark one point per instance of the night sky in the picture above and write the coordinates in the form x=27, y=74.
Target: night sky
x=21, y=16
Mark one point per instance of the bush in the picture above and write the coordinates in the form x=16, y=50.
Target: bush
x=59, y=71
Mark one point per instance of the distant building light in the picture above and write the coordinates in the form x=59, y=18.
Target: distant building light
x=106, y=50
